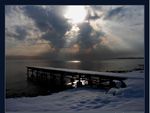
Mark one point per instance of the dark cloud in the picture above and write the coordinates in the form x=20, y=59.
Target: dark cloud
x=116, y=11
x=94, y=16
x=11, y=9
x=22, y=32
x=10, y=34
x=96, y=8
x=85, y=40
x=19, y=34
x=88, y=36
x=50, y=21
x=55, y=38
x=92, y=13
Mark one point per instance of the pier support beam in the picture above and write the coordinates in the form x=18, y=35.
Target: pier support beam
x=90, y=83
x=62, y=80
x=79, y=83
x=72, y=80
x=27, y=73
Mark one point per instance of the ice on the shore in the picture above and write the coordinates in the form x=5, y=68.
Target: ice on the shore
x=126, y=99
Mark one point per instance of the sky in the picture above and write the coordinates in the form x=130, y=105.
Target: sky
x=74, y=32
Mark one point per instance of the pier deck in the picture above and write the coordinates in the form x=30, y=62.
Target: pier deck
x=51, y=74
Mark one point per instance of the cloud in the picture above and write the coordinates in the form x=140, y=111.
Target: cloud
x=29, y=50
x=93, y=14
x=50, y=21
x=43, y=30
x=117, y=11
x=88, y=36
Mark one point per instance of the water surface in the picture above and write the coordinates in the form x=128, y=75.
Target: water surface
x=17, y=85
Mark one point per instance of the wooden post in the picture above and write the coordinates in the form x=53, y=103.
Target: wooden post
x=27, y=73
x=32, y=73
x=62, y=82
x=46, y=76
x=37, y=73
x=90, y=81
x=79, y=83
x=49, y=76
x=53, y=80
x=79, y=78
x=99, y=81
x=111, y=83
x=72, y=80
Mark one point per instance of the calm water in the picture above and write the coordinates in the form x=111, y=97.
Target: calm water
x=17, y=85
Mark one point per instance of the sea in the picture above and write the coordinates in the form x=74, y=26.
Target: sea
x=16, y=83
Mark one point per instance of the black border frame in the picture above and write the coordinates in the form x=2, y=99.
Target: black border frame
x=71, y=2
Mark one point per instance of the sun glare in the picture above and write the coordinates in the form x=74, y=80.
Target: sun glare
x=74, y=61
x=75, y=14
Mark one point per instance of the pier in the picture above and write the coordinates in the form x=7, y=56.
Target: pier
x=62, y=76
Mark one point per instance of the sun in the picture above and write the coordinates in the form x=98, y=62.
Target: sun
x=75, y=14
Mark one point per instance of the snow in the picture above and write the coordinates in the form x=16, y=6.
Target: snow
x=86, y=100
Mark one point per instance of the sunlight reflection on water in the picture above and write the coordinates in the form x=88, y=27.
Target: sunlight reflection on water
x=74, y=61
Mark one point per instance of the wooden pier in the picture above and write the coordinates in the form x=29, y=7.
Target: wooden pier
x=61, y=76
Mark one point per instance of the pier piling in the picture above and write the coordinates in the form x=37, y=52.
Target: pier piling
x=52, y=76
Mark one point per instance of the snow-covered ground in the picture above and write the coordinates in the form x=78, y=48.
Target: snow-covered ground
x=126, y=99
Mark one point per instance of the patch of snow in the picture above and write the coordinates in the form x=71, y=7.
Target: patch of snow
x=130, y=98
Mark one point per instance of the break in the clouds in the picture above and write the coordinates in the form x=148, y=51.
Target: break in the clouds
x=74, y=31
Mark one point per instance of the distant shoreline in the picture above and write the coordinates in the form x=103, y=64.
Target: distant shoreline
x=42, y=58
x=129, y=58
x=140, y=67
